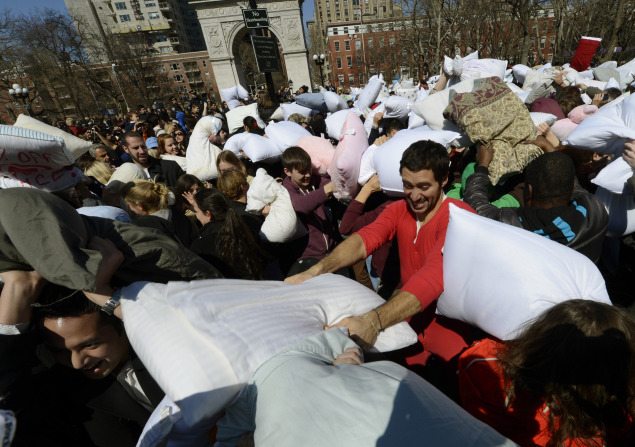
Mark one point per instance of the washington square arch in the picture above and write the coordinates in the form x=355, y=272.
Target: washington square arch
x=225, y=35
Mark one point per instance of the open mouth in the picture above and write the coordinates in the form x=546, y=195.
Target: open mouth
x=95, y=368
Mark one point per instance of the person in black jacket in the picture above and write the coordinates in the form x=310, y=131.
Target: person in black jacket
x=555, y=206
x=164, y=171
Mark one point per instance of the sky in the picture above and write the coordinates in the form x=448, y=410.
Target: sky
x=25, y=6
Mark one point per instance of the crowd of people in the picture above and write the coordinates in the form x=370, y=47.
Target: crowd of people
x=142, y=212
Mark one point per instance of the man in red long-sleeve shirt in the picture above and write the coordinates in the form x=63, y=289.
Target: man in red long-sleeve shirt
x=419, y=222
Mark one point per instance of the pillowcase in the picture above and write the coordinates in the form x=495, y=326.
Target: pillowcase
x=220, y=331
x=281, y=224
x=540, y=117
x=321, y=152
x=484, y=68
x=286, y=134
x=36, y=158
x=367, y=165
x=74, y=147
x=344, y=169
x=580, y=113
x=415, y=121
x=397, y=107
x=608, y=129
x=235, y=117
x=334, y=102
x=201, y=153
x=234, y=93
x=258, y=148
x=277, y=115
x=335, y=123
x=290, y=109
x=614, y=176
x=563, y=128
x=370, y=116
x=235, y=143
x=500, y=294
x=313, y=101
x=388, y=155
x=369, y=94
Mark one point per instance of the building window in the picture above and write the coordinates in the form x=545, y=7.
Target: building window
x=392, y=41
x=151, y=5
x=340, y=79
x=381, y=42
x=178, y=78
x=351, y=79
x=335, y=31
x=339, y=62
x=358, y=60
x=120, y=6
x=370, y=42
x=174, y=67
x=355, y=2
x=361, y=79
x=347, y=45
x=337, y=46
x=358, y=44
x=356, y=29
x=124, y=18
x=349, y=61
x=154, y=15
x=346, y=30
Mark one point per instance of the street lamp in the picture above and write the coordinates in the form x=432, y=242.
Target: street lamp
x=114, y=72
x=19, y=93
x=319, y=61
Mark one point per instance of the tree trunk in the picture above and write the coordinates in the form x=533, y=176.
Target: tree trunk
x=618, y=20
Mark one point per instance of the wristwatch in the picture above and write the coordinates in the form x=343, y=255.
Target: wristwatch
x=110, y=305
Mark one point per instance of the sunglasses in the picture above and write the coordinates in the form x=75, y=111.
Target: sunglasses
x=179, y=133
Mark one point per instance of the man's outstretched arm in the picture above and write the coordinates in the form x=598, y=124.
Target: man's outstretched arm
x=345, y=254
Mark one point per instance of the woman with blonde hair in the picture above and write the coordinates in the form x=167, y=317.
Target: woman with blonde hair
x=152, y=205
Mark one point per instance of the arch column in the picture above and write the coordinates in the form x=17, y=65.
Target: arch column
x=222, y=20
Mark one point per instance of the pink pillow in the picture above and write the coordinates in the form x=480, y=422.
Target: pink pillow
x=320, y=150
x=344, y=169
x=562, y=128
x=578, y=114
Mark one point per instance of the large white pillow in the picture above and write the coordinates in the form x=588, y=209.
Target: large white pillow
x=370, y=117
x=608, y=129
x=484, y=68
x=334, y=102
x=415, y=121
x=370, y=92
x=541, y=117
x=285, y=133
x=335, y=122
x=313, y=101
x=235, y=143
x=281, y=224
x=202, y=341
x=367, y=165
x=234, y=93
x=499, y=293
x=36, y=158
x=388, y=155
x=621, y=209
x=235, y=117
x=74, y=147
x=290, y=109
x=520, y=71
x=627, y=72
x=259, y=148
x=614, y=176
x=201, y=153
x=277, y=115
x=397, y=107
x=181, y=161
x=454, y=67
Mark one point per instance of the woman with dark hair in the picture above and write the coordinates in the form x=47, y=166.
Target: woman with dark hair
x=250, y=125
x=181, y=139
x=567, y=380
x=225, y=239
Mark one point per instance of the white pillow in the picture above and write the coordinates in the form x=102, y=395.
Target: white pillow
x=181, y=161
x=74, y=147
x=520, y=71
x=36, y=158
x=627, y=71
x=422, y=94
x=335, y=122
x=259, y=148
x=370, y=92
x=614, y=176
x=431, y=108
x=106, y=212
x=484, y=68
x=285, y=133
x=367, y=165
x=201, y=154
x=621, y=209
x=235, y=117
x=281, y=224
x=233, y=103
x=313, y=101
x=608, y=129
x=202, y=341
x=388, y=155
x=235, y=143
x=410, y=93
x=415, y=121
x=234, y=93
x=397, y=107
x=499, y=293
x=454, y=67
x=370, y=116
x=334, y=102
x=290, y=109
x=541, y=117
x=277, y=115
